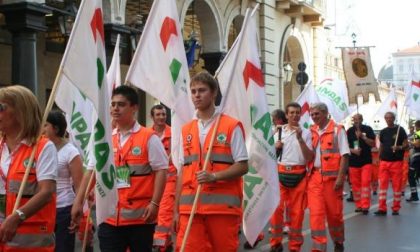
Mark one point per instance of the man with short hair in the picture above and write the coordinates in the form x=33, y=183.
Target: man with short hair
x=361, y=139
x=219, y=209
x=297, y=152
x=326, y=178
x=162, y=237
x=393, y=141
x=141, y=163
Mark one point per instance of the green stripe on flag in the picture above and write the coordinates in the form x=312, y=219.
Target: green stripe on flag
x=175, y=68
x=101, y=72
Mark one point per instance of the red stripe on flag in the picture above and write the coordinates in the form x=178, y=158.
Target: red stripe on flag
x=168, y=28
x=305, y=108
x=97, y=24
x=254, y=73
x=415, y=83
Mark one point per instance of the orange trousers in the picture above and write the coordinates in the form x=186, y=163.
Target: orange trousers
x=295, y=200
x=162, y=236
x=325, y=204
x=390, y=170
x=404, y=177
x=375, y=174
x=217, y=231
x=360, y=178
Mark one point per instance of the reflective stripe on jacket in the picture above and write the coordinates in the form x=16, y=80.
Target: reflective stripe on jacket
x=221, y=197
x=329, y=148
x=37, y=232
x=133, y=201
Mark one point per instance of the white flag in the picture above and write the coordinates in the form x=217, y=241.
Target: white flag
x=305, y=100
x=333, y=93
x=83, y=66
x=113, y=75
x=160, y=67
x=388, y=105
x=412, y=96
x=243, y=97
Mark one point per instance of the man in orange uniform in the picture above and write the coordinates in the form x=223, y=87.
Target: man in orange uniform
x=361, y=139
x=141, y=163
x=162, y=238
x=297, y=152
x=391, y=154
x=219, y=208
x=326, y=177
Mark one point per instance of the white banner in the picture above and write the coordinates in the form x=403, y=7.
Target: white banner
x=359, y=73
x=243, y=93
x=87, y=45
x=333, y=92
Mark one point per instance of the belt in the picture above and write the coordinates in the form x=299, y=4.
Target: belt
x=293, y=167
x=316, y=168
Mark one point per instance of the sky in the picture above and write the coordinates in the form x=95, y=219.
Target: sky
x=387, y=25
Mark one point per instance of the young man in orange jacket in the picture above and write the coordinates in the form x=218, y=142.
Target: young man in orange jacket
x=219, y=209
x=326, y=178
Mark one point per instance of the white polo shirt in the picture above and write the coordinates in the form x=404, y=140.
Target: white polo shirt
x=292, y=153
x=46, y=165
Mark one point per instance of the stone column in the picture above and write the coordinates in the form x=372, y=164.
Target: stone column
x=24, y=20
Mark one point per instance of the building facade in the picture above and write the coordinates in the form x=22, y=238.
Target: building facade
x=33, y=35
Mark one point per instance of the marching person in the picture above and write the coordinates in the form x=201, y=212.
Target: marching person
x=31, y=226
x=326, y=178
x=361, y=139
x=219, y=210
x=297, y=152
x=141, y=163
x=69, y=175
x=162, y=237
x=414, y=171
x=391, y=155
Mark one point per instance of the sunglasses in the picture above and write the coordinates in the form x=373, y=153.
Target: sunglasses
x=3, y=107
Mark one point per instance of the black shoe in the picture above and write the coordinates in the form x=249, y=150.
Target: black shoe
x=277, y=248
x=380, y=213
x=338, y=247
x=365, y=211
x=375, y=193
x=412, y=199
x=350, y=199
x=395, y=213
x=358, y=210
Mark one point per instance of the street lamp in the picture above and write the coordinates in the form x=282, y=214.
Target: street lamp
x=287, y=73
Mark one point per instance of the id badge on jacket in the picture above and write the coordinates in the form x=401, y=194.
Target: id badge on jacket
x=123, y=177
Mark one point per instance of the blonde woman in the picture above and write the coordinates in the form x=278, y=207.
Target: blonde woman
x=31, y=226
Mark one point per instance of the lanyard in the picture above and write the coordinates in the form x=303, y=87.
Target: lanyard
x=120, y=154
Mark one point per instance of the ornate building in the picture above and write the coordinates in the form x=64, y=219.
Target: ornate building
x=33, y=36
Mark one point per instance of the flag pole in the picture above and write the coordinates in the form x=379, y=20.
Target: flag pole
x=197, y=194
x=399, y=126
x=44, y=119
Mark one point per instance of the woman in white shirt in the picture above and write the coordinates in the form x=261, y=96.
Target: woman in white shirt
x=69, y=175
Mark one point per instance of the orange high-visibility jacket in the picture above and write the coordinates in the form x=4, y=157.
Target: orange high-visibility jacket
x=220, y=197
x=132, y=201
x=330, y=152
x=37, y=232
x=166, y=141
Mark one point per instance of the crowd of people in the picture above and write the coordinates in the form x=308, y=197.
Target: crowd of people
x=155, y=200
